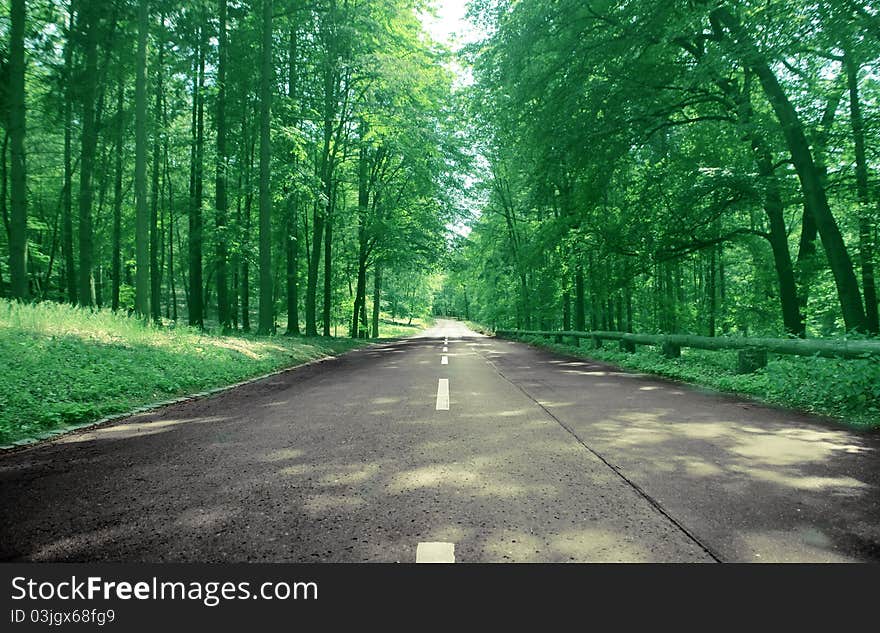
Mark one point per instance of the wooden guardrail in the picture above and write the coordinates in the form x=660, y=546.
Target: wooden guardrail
x=753, y=351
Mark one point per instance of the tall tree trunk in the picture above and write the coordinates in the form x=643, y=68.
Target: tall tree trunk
x=292, y=265
x=245, y=261
x=711, y=290
x=18, y=193
x=220, y=188
x=363, y=205
x=89, y=140
x=142, y=212
x=155, y=242
x=806, y=255
x=328, y=267
x=67, y=221
x=196, y=286
x=866, y=230
x=171, y=310
x=722, y=290
x=116, y=254
x=359, y=295
x=312, y=280
x=580, y=323
x=293, y=211
x=566, y=310
x=365, y=326
x=377, y=297
x=4, y=211
x=267, y=317
x=322, y=212
x=792, y=318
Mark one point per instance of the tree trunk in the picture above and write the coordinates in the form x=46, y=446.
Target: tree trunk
x=580, y=322
x=566, y=311
x=328, y=268
x=18, y=193
x=377, y=297
x=142, y=223
x=321, y=215
x=196, y=290
x=67, y=221
x=245, y=262
x=267, y=317
x=221, y=202
x=116, y=256
x=312, y=280
x=792, y=318
x=172, y=282
x=292, y=241
x=292, y=265
x=155, y=242
x=89, y=140
x=806, y=256
x=363, y=205
x=866, y=230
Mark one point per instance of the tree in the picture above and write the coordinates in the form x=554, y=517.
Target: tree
x=197, y=162
x=18, y=190
x=290, y=159
x=220, y=187
x=267, y=308
x=142, y=232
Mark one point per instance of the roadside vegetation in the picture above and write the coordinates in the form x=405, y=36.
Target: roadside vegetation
x=64, y=366
x=389, y=328
x=848, y=390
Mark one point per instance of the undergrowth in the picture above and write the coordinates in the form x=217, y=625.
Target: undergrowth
x=848, y=390
x=61, y=366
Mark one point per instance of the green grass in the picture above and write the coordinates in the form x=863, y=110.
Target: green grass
x=63, y=366
x=398, y=329
x=848, y=390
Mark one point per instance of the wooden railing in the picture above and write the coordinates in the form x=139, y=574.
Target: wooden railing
x=753, y=351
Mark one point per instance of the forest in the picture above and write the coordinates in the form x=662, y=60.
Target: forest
x=330, y=170
x=703, y=166
x=271, y=166
x=698, y=167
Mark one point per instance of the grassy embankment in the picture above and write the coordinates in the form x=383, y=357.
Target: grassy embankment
x=62, y=367
x=848, y=390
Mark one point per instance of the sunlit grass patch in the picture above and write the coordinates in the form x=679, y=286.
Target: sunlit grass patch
x=61, y=365
x=399, y=328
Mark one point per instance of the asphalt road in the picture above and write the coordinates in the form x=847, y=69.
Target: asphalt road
x=530, y=457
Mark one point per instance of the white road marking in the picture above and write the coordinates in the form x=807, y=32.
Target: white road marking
x=435, y=553
x=443, y=395
x=445, y=349
x=444, y=360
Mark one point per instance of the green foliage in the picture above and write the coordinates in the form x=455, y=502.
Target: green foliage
x=645, y=148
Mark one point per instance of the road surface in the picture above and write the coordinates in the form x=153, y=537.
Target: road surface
x=449, y=446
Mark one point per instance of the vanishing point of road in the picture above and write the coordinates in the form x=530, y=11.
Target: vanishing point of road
x=449, y=446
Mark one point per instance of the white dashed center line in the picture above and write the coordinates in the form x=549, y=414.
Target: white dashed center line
x=444, y=360
x=443, y=395
x=445, y=349
x=435, y=553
